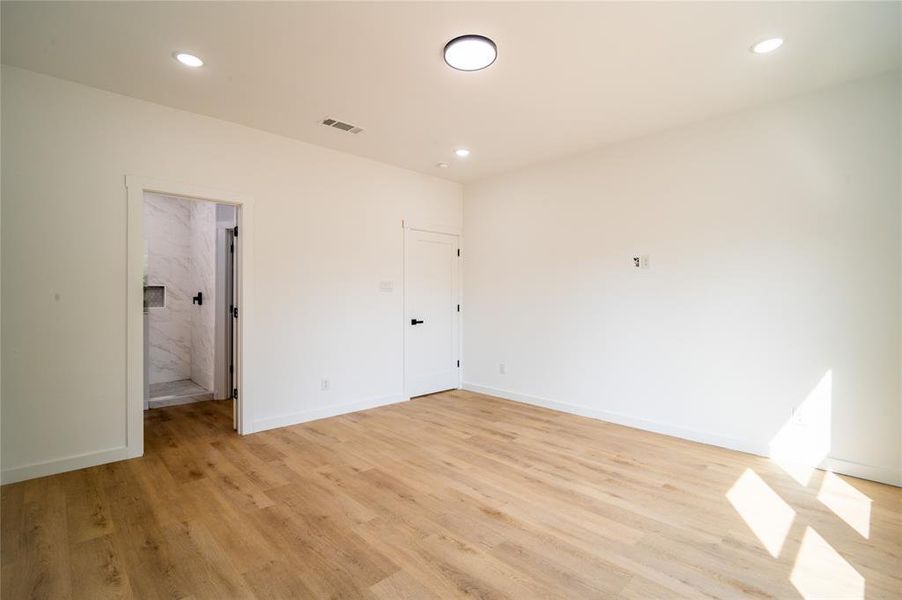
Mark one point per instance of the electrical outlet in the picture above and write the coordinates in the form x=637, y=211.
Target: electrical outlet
x=502, y=369
x=798, y=417
x=324, y=384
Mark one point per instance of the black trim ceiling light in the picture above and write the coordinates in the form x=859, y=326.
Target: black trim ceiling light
x=470, y=52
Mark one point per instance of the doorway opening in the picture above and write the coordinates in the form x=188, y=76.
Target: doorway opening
x=190, y=301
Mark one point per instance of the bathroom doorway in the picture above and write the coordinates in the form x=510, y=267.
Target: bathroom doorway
x=190, y=306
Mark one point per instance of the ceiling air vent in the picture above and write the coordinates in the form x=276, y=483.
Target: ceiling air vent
x=341, y=125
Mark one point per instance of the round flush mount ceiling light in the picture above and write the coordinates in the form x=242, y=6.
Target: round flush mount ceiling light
x=767, y=46
x=189, y=60
x=462, y=152
x=470, y=52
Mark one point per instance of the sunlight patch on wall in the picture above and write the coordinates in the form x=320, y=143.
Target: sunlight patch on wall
x=804, y=440
x=820, y=572
x=847, y=503
x=766, y=513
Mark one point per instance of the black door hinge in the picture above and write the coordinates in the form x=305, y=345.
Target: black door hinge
x=235, y=231
x=458, y=308
x=232, y=248
x=458, y=364
x=234, y=312
x=234, y=393
x=458, y=251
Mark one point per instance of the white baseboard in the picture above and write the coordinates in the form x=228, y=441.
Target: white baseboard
x=620, y=419
x=879, y=474
x=100, y=457
x=862, y=471
x=324, y=412
x=61, y=465
x=91, y=459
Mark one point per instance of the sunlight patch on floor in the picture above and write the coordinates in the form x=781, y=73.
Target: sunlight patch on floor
x=766, y=513
x=820, y=572
x=847, y=503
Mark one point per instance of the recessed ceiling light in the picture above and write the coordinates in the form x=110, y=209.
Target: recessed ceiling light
x=189, y=60
x=442, y=165
x=462, y=152
x=470, y=52
x=766, y=46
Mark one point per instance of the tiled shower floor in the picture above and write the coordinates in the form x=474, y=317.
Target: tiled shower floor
x=171, y=393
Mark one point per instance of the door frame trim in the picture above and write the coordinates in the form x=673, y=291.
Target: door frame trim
x=446, y=230
x=136, y=186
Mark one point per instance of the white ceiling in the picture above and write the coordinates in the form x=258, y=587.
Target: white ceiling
x=569, y=76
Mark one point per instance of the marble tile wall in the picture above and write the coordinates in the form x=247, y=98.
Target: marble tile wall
x=203, y=274
x=167, y=235
x=180, y=238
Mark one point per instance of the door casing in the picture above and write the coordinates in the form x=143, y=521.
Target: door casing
x=136, y=187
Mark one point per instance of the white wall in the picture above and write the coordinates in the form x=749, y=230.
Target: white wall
x=774, y=244
x=328, y=230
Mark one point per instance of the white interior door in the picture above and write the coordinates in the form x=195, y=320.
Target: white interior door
x=432, y=305
x=231, y=291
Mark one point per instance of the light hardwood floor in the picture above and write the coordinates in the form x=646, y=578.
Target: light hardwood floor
x=450, y=495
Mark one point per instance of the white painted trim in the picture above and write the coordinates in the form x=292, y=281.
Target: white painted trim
x=620, y=419
x=325, y=412
x=873, y=473
x=870, y=472
x=404, y=342
x=61, y=465
x=136, y=187
x=432, y=228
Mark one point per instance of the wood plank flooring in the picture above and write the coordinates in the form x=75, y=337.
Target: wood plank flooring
x=451, y=495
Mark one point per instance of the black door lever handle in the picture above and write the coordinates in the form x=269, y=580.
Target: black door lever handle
x=415, y=322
